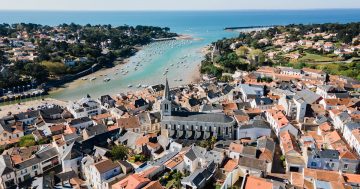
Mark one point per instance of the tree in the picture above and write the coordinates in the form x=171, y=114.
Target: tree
x=242, y=51
x=119, y=152
x=27, y=140
x=56, y=68
x=36, y=71
x=178, y=176
x=3, y=59
x=258, y=56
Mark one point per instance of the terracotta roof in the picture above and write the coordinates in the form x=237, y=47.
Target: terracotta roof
x=324, y=175
x=56, y=128
x=144, y=139
x=153, y=185
x=153, y=145
x=230, y=165
x=147, y=172
x=288, y=143
x=241, y=118
x=255, y=182
x=338, y=101
x=266, y=155
x=173, y=162
x=297, y=179
x=352, y=178
x=332, y=137
x=325, y=127
x=356, y=134
x=236, y=147
x=101, y=116
x=348, y=155
x=131, y=182
x=253, y=111
x=106, y=165
x=279, y=117
x=131, y=122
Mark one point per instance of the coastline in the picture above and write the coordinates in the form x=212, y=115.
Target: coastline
x=192, y=76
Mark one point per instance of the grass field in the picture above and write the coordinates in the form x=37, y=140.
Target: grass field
x=315, y=58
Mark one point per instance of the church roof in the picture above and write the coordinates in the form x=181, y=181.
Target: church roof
x=199, y=117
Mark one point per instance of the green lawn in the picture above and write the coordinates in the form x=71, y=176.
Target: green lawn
x=315, y=58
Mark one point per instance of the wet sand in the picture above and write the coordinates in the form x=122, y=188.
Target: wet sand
x=150, y=73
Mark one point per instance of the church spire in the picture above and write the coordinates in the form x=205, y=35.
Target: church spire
x=166, y=90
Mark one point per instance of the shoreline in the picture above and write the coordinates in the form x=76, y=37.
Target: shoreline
x=193, y=76
x=105, y=71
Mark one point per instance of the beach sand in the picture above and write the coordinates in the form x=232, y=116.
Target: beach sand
x=23, y=106
x=154, y=59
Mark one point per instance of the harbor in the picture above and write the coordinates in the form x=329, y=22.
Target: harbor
x=169, y=58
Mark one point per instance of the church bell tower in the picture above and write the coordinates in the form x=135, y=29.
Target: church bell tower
x=166, y=101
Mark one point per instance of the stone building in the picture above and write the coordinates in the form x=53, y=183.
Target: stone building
x=178, y=124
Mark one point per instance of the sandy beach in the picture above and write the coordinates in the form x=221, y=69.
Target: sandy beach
x=146, y=57
x=24, y=106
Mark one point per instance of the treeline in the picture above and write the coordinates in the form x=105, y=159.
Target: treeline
x=95, y=44
x=247, y=51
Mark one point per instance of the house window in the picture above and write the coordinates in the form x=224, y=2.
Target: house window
x=8, y=176
x=34, y=167
x=346, y=166
x=313, y=164
x=23, y=171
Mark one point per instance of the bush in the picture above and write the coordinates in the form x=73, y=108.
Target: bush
x=119, y=152
x=282, y=158
x=27, y=140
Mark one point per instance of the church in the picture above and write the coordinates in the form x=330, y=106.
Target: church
x=180, y=124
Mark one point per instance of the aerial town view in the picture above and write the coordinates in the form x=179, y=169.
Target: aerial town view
x=159, y=94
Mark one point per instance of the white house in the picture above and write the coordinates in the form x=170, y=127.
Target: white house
x=253, y=130
x=279, y=123
x=250, y=92
x=85, y=107
x=102, y=171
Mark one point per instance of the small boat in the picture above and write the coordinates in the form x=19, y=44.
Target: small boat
x=129, y=86
x=106, y=79
x=180, y=79
x=139, y=85
x=84, y=78
x=116, y=73
x=93, y=78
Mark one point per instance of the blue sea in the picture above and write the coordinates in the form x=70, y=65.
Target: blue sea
x=204, y=26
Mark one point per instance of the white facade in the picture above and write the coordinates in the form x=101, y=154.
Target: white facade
x=253, y=132
x=85, y=107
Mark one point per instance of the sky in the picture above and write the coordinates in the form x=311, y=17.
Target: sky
x=175, y=4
